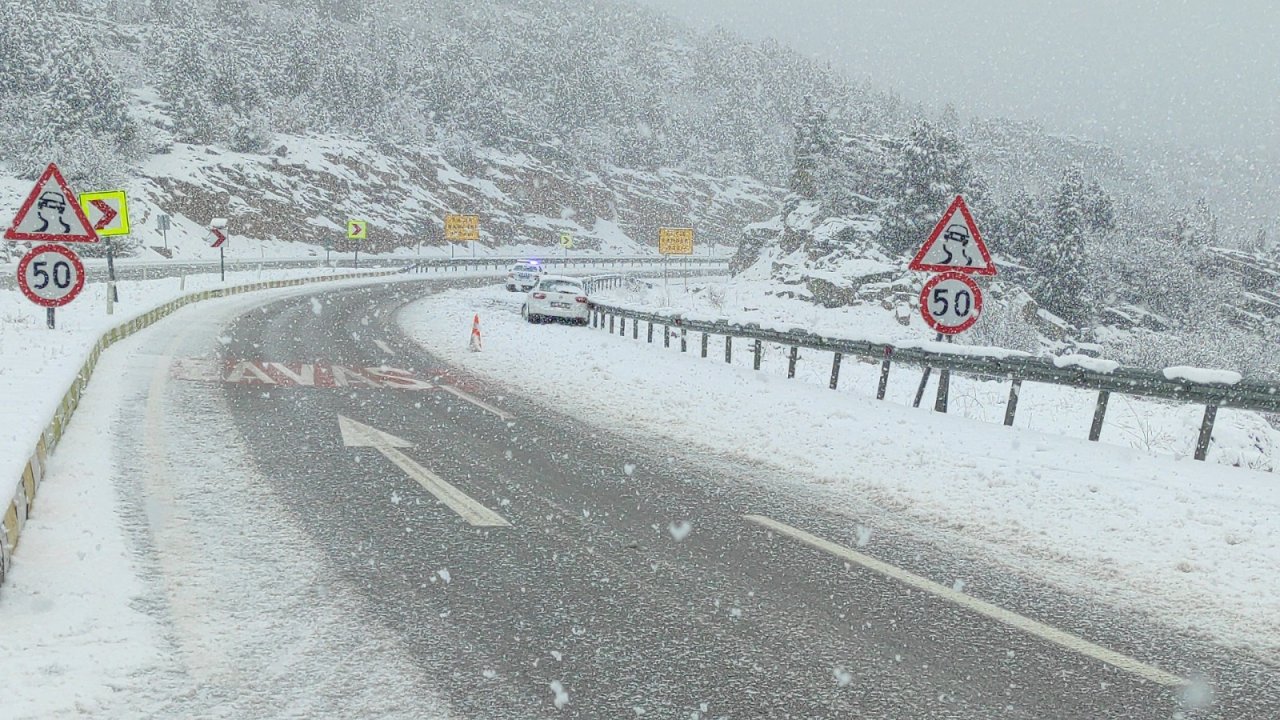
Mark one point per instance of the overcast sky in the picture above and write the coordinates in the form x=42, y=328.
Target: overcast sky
x=1199, y=73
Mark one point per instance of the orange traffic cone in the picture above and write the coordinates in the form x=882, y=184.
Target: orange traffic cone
x=475, y=334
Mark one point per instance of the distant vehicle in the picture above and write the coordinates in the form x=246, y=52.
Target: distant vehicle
x=51, y=199
x=523, y=275
x=556, y=297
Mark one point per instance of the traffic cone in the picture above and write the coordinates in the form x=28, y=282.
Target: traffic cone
x=475, y=334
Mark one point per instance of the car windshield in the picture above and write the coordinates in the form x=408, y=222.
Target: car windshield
x=524, y=267
x=560, y=286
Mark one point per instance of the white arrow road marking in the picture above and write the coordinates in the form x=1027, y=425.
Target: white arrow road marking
x=476, y=401
x=357, y=434
x=384, y=347
x=1040, y=630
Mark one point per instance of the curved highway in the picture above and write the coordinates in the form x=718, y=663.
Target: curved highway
x=534, y=566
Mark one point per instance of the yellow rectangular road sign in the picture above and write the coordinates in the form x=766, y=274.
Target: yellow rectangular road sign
x=675, y=241
x=107, y=211
x=566, y=240
x=461, y=227
x=357, y=230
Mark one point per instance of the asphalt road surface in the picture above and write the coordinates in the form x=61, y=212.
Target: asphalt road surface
x=535, y=566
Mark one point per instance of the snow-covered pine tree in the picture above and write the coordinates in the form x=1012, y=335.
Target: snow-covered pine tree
x=1021, y=226
x=1062, y=259
x=929, y=168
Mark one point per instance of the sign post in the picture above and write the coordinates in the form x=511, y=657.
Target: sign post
x=357, y=230
x=566, y=242
x=951, y=302
x=108, y=210
x=461, y=227
x=218, y=231
x=674, y=241
x=163, y=222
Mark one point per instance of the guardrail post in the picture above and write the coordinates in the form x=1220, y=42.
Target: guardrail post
x=835, y=370
x=924, y=381
x=1206, y=431
x=650, y=331
x=791, y=361
x=728, y=348
x=622, y=325
x=595, y=318
x=884, y=373
x=610, y=323
x=666, y=336
x=757, y=351
x=1015, y=388
x=684, y=340
x=1099, y=413
x=704, y=344
x=635, y=330
x=944, y=390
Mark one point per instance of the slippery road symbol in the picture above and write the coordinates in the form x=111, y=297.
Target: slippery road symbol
x=51, y=206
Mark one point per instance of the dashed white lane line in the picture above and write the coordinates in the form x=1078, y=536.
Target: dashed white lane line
x=476, y=401
x=1038, y=629
x=384, y=347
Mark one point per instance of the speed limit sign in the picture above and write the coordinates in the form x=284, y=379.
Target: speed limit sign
x=50, y=275
x=951, y=302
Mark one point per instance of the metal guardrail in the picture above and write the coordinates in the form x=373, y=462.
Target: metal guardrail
x=562, y=262
x=128, y=269
x=1016, y=368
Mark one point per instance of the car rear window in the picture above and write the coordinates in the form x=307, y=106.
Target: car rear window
x=563, y=286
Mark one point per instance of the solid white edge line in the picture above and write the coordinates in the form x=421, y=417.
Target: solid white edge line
x=1039, y=629
x=475, y=401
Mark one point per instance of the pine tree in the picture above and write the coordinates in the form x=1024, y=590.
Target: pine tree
x=814, y=144
x=1100, y=211
x=930, y=167
x=1021, y=227
x=1062, y=258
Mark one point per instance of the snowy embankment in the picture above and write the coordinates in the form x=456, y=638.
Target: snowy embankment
x=1240, y=438
x=1189, y=542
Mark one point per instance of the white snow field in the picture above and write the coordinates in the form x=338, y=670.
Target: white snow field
x=1189, y=542
x=128, y=609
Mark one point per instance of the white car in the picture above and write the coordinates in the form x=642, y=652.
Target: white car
x=556, y=297
x=523, y=275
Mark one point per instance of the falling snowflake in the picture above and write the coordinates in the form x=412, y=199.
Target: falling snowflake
x=680, y=530
x=561, y=696
x=444, y=575
x=843, y=678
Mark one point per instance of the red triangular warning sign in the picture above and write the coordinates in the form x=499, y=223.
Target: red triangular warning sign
x=955, y=244
x=51, y=214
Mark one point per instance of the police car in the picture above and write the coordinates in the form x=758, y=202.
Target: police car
x=523, y=275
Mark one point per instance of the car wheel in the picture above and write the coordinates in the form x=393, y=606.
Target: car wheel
x=524, y=313
x=511, y=288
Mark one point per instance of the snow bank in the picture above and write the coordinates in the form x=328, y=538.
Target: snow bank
x=1202, y=376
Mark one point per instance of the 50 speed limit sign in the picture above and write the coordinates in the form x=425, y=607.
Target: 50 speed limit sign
x=951, y=302
x=50, y=275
